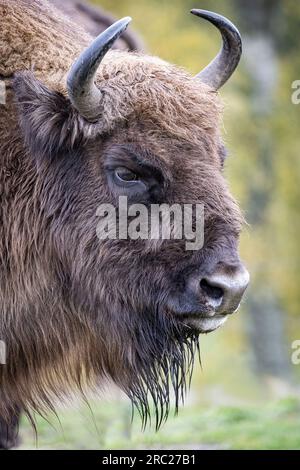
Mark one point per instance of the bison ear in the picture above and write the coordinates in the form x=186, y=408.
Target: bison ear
x=50, y=124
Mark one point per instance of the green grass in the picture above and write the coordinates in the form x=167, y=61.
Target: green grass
x=271, y=426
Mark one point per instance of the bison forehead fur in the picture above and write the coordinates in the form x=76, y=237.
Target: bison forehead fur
x=73, y=310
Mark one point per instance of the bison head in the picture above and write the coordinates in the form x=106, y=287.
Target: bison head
x=130, y=310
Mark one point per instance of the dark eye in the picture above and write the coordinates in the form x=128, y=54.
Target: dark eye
x=125, y=175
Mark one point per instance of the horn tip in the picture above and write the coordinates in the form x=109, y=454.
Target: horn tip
x=210, y=15
x=199, y=12
x=215, y=19
x=127, y=19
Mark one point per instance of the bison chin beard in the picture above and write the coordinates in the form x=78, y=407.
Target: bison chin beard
x=156, y=361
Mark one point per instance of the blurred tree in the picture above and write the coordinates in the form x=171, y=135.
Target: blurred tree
x=261, y=22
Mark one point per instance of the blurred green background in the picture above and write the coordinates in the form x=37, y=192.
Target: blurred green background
x=247, y=394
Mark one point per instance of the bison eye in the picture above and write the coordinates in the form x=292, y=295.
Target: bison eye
x=124, y=175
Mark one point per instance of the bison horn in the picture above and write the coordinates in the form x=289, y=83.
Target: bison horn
x=82, y=91
x=222, y=67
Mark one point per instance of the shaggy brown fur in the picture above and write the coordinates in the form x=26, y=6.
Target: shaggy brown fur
x=74, y=310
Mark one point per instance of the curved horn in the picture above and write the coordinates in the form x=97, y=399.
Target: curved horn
x=223, y=65
x=82, y=91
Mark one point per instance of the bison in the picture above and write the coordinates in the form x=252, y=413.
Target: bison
x=81, y=126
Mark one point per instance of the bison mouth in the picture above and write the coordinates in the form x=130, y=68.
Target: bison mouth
x=195, y=320
x=202, y=323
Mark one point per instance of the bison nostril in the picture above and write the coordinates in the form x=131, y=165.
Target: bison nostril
x=226, y=286
x=214, y=292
